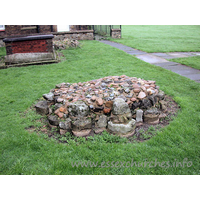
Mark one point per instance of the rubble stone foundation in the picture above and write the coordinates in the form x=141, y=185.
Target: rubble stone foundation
x=116, y=104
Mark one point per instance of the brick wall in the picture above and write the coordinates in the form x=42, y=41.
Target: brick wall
x=29, y=46
x=45, y=29
x=76, y=35
x=78, y=27
x=24, y=30
x=14, y=30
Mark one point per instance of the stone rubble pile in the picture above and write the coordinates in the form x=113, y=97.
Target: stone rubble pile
x=116, y=103
x=65, y=44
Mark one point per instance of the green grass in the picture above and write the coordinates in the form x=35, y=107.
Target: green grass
x=2, y=51
x=193, y=62
x=164, y=38
x=30, y=153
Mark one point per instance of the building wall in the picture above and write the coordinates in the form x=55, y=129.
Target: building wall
x=75, y=35
x=79, y=32
x=23, y=30
x=78, y=27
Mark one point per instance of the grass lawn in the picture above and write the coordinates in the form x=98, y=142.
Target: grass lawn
x=2, y=51
x=193, y=62
x=166, y=38
x=25, y=153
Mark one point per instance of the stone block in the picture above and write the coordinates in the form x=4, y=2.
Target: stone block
x=78, y=109
x=42, y=107
x=151, y=116
x=53, y=120
x=82, y=133
x=139, y=116
x=122, y=129
x=28, y=57
x=102, y=122
x=81, y=124
x=120, y=107
x=116, y=33
x=49, y=96
x=66, y=125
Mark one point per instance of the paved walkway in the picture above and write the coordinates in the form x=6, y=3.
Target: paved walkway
x=159, y=59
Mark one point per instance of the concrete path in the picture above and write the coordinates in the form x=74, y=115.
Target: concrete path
x=159, y=59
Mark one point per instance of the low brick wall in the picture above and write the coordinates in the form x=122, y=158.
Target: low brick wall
x=77, y=35
x=29, y=44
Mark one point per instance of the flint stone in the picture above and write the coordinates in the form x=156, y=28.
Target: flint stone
x=42, y=107
x=136, y=90
x=125, y=118
x=135, y=105
x=98, y=130
x=53, y=120
x=93, y=98
x=162, y=115
x=117, y=81
x=163, y=105
x=150, y=91
x=60, y=85
x=98, y=109
x=91, y=106
x=59, y=100
x=88, y=96
x=62, y=131
x=99, y=101
x=127, y=90
x=109, y=104
x=120, y=107
x=161, y=95
x=57, y=105
x=82, y=133
x=49, y=96
x=122, y=97
x=106, y=110
x=145, y=103
x=152, y=111
x=103, y=84
x=151, y=116
x=133, y=99
x=152, y=99
x=107, y=81
x=66, y=125
x=102, y=122
x=121, y=129
x=139, y=115
x=141, y=95
x=78, y=109
x=81, y=124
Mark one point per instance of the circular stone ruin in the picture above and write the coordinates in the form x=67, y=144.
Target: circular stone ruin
x=117, y=104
